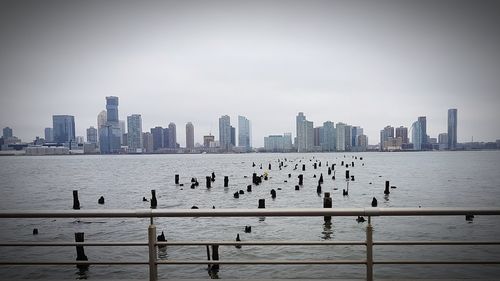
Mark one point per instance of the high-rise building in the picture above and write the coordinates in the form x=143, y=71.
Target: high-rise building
x=172, y=135
x=287, y=142
x=244, y=133
x=423, y=131
x=416, y=135
x=64, y=128
x=147, y=142
x=123, y=132
x=157, y=134
x=305, y=133
x=402, y=132
x=110, y=137
x=233, y=136
x=134, y=132
x=166, y=138
x=362, y=142
x=189, y=135
x=92, y=135
x=452, y=128
x=7, y=133
x=49, y=134
x=348, y=137
x=225, y=133
x=387, y=134
x=102, y=119
x=340, y=131
x=328, y=136
x=207, y=140
x=318, y=136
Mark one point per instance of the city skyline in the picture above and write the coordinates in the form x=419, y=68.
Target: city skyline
x=369, y=63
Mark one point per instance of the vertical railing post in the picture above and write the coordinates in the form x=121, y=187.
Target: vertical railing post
x=153, y=270
x=369, y=250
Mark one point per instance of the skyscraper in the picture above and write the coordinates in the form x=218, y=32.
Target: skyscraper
x=157, y=134
x=134, y=132
x=452, y=129
x=64, y=128
x=7, y=133
x=340, y=130
x=111, y=134
x=92, y=135
x=416, y=135
x=287, y=142
x=49, y=134
x=147, y=142
x=244, y=133
x=225, y=132
x=423, y=131
x=386, y=135
x=172, y=135
x=233, y=136
x=123, y=132
x=402, y=132
x=301, y=132
x=348, y=137
x=207, y=140
x=328, y=136
x=189, y=135
x=166, y=138
x=102, y=119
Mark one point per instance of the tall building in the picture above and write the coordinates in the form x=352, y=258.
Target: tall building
x=305, y=133
x=244, y=133
x=157, y=134
x=348, y=137
x=147, y=142
x=362, y=142
x=233, y=136
x=452, y=128
x=123, y=132
x=387, y=134
x=102, y=119
x=172, y=135
x=318, y=136
x=49, y=134
x=328, y=136
x=92, y=135
x=423, y=131
x=416, y=135
x=340, y=131
x=134, y=132
x=189, y=135
x=166, y=138
x=207, y=140
x=225, y=133
x=287, y=142
x=64, y=128
x=7, y=133
x=110, y=137
x=402, y=132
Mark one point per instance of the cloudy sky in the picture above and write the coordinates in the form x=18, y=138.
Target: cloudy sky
x=366, y=63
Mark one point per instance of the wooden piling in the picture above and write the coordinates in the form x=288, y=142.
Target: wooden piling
x=176, y=179
x=76, y=202
x=262, y=203
x=327, y=203
x=153, y=200
x=386, y=191
x=208, y=182
x=80, y=252
x=226, y=181
x=215, y=257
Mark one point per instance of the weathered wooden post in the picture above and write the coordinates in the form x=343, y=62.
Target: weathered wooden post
x=303, y=167
x=176, y=178
x=327, y=203
x=262, y=203
x=208, y=182
x=386, y=191
x=374, y=202
x=273, y=193
x=153, y=200
x=329, y=171
x=301, y=179
x=101, y=200
x=226, y=181
x=321, y=178
x=215, y=257
x=249, y=188
x=238, y=240
x=76, y=202
x=80, y=252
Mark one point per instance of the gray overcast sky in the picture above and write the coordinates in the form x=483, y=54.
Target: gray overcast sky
x=366, y=63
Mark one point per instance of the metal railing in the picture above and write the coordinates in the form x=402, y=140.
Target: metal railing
x=153, y=244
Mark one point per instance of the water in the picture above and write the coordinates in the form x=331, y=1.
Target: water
x=428, y=179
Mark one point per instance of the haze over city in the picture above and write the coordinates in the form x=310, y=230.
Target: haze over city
x=359, y=62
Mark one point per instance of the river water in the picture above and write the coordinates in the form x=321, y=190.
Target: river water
x=427, y=179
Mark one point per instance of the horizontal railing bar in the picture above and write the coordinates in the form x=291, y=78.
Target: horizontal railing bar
x=260, y=243
x=486, y=262
x=288, y=212
x=72, y=262
x=63, y=244
x=398, y=243
x=261, y=262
